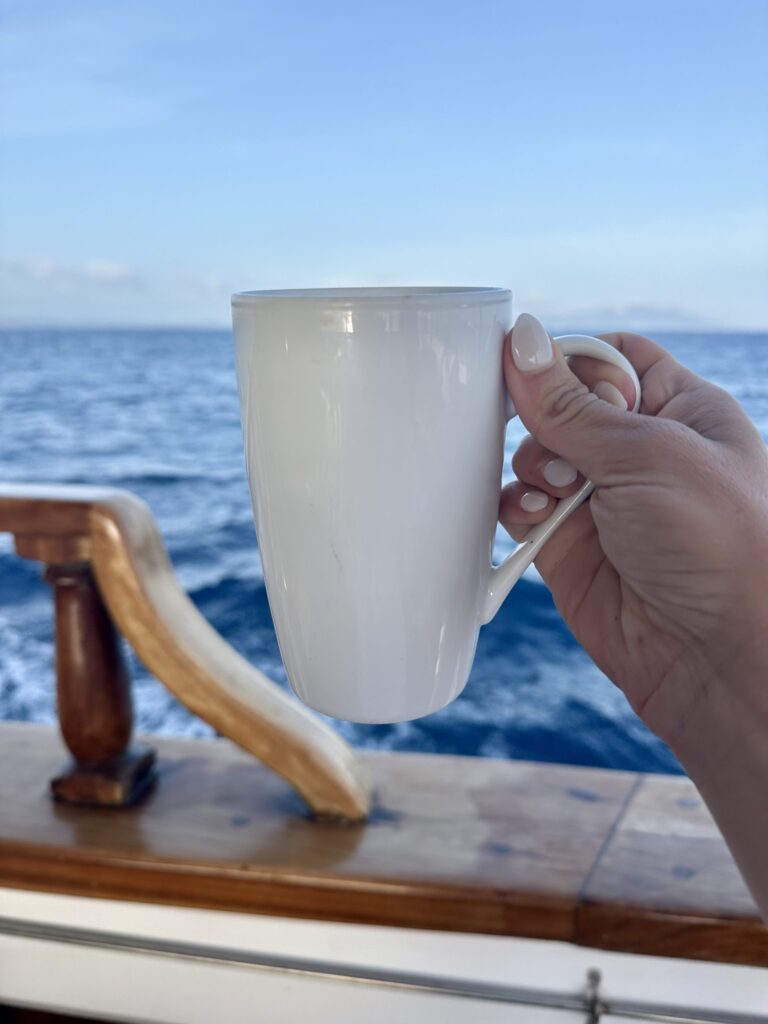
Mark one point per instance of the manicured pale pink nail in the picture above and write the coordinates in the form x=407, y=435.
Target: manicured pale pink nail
x=558, y=472
x=531, y=345
x=609, y=393
x=533, y=501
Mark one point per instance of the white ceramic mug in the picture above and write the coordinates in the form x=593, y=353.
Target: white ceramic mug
x=374, y=426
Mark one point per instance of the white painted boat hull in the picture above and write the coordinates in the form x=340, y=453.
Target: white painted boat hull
x=170, y=965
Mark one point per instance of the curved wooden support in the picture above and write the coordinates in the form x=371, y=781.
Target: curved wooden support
x=117, y=532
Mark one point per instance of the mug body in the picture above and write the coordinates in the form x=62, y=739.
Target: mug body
x=373, y=422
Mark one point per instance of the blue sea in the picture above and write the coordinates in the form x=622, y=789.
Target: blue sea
x=155, y=411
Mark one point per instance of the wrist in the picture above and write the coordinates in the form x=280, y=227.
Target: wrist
x=723, y=746
x=726, y=724
x=715, y=699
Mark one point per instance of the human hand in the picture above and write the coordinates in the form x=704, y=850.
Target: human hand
x=663, y=575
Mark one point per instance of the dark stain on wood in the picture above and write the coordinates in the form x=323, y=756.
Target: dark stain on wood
x=499, y=848
x=588, y=796
x=683, y=871
x=380, y=815
x=688, y=803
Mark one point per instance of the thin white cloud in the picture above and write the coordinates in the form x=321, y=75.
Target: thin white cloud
x=105, y=292
x=100, y=292
x=632, y=317
x=112, y=273
x=53, y=273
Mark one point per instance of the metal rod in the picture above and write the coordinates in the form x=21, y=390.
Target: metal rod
x=463, y=988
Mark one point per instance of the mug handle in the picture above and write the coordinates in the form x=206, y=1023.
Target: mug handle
x=503, y=577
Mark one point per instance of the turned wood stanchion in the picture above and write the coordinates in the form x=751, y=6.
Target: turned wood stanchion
x=93, y=694
x=93, y=689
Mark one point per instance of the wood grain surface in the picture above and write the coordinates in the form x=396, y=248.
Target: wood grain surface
x=596, y=857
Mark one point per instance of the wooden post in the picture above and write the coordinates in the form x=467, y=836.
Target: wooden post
x=94, y=698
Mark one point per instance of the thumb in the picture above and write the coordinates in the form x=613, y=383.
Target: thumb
x=557, y=408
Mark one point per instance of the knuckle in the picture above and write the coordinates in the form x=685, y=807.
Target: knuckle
x=565, y=402
x=678, y=446
x=725, y=404
x=632, y=449
x=650, y=448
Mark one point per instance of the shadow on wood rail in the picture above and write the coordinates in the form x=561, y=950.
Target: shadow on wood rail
x=110, y=571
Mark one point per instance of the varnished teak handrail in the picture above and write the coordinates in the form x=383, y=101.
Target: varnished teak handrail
x=601, y=858
x=114, y=533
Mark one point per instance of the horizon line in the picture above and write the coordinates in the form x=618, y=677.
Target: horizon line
x=560, y=326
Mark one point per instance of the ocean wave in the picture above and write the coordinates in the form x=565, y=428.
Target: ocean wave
x=27, y=683
x=166, y=478
x=533, y=692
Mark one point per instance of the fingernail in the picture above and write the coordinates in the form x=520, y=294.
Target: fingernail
x=531, y=345
x=558, y=472
x=609, y=393
x=533, y=501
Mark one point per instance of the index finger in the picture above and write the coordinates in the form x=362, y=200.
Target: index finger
x=661, y=376
x=640, y=351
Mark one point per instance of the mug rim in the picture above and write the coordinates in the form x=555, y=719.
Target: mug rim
x=344, y=296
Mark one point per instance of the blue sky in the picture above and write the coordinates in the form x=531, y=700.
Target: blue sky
x=608, y=161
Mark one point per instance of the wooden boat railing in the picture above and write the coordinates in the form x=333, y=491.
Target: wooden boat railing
x=617, y=860
x=108, y=567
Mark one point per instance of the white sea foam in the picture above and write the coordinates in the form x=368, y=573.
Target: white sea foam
x=157, y=412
